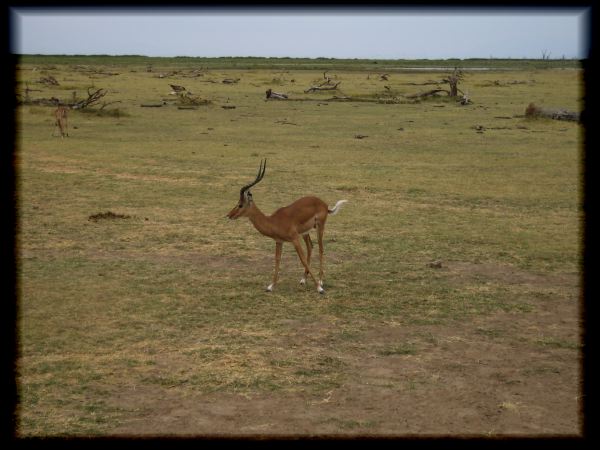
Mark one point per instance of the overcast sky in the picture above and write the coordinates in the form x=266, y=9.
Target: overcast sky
x=390, y=33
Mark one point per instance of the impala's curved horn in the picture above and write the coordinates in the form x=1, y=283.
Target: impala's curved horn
x=261, y=174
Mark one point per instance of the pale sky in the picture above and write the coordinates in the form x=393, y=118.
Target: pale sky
x=377, y=33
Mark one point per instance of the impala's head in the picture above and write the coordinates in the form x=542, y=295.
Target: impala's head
x=245, y=200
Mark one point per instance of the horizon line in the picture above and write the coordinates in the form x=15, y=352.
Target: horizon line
x=562, y=58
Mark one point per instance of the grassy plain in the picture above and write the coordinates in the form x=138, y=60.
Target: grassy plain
x=158, y=322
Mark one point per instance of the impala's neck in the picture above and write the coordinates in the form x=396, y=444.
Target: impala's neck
x=261, y=222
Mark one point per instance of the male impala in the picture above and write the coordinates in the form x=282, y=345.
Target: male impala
x=288, y=224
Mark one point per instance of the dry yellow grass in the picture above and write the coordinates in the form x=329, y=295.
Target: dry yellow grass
x=171, y=299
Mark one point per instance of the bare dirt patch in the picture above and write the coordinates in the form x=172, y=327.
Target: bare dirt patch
x=461, y=271
x=502, y=374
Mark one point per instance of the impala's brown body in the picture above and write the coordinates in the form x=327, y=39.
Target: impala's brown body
x=61, y=120
x=288, y=224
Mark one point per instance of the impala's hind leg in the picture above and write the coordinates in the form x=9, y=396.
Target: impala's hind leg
x=320, y=231
x=300, y=252
x=309, y=246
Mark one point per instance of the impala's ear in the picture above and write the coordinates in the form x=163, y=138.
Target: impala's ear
x=245, y=199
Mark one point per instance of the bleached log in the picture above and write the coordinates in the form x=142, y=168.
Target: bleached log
x=557, y=114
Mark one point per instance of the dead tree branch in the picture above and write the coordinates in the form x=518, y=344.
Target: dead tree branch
x=426, y=83
x=322, y=88
x=427, y=93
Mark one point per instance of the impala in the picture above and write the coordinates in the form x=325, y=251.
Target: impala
x=61, y=121
x=288, y=224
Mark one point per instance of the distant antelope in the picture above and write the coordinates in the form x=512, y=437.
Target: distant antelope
x=61, y=121
x=288, y=224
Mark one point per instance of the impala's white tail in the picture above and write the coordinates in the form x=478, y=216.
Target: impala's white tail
x=337, y=207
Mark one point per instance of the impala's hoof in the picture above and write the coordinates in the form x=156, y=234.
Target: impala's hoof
x=302, y=281
x=321, y=290
x=269, y=288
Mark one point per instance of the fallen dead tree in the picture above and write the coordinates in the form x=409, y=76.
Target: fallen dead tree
x=425, y=83
x=322, y=88
x=49, y=81
x=533, y=111
x=92, y=99
x=341, y=98
x=167, y=74
x=193, y=74
x=275, y=95
x=92, y=70
x=453, y=80
x=177, y=89
x=185, y=97
x=427, y=93
x=190, y=99
x=285, y=122
x=107, y=215
x=499, y=83
x=52, y=101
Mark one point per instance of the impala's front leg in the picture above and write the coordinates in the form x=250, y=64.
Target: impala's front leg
x=300, y=252
x=278, y=249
